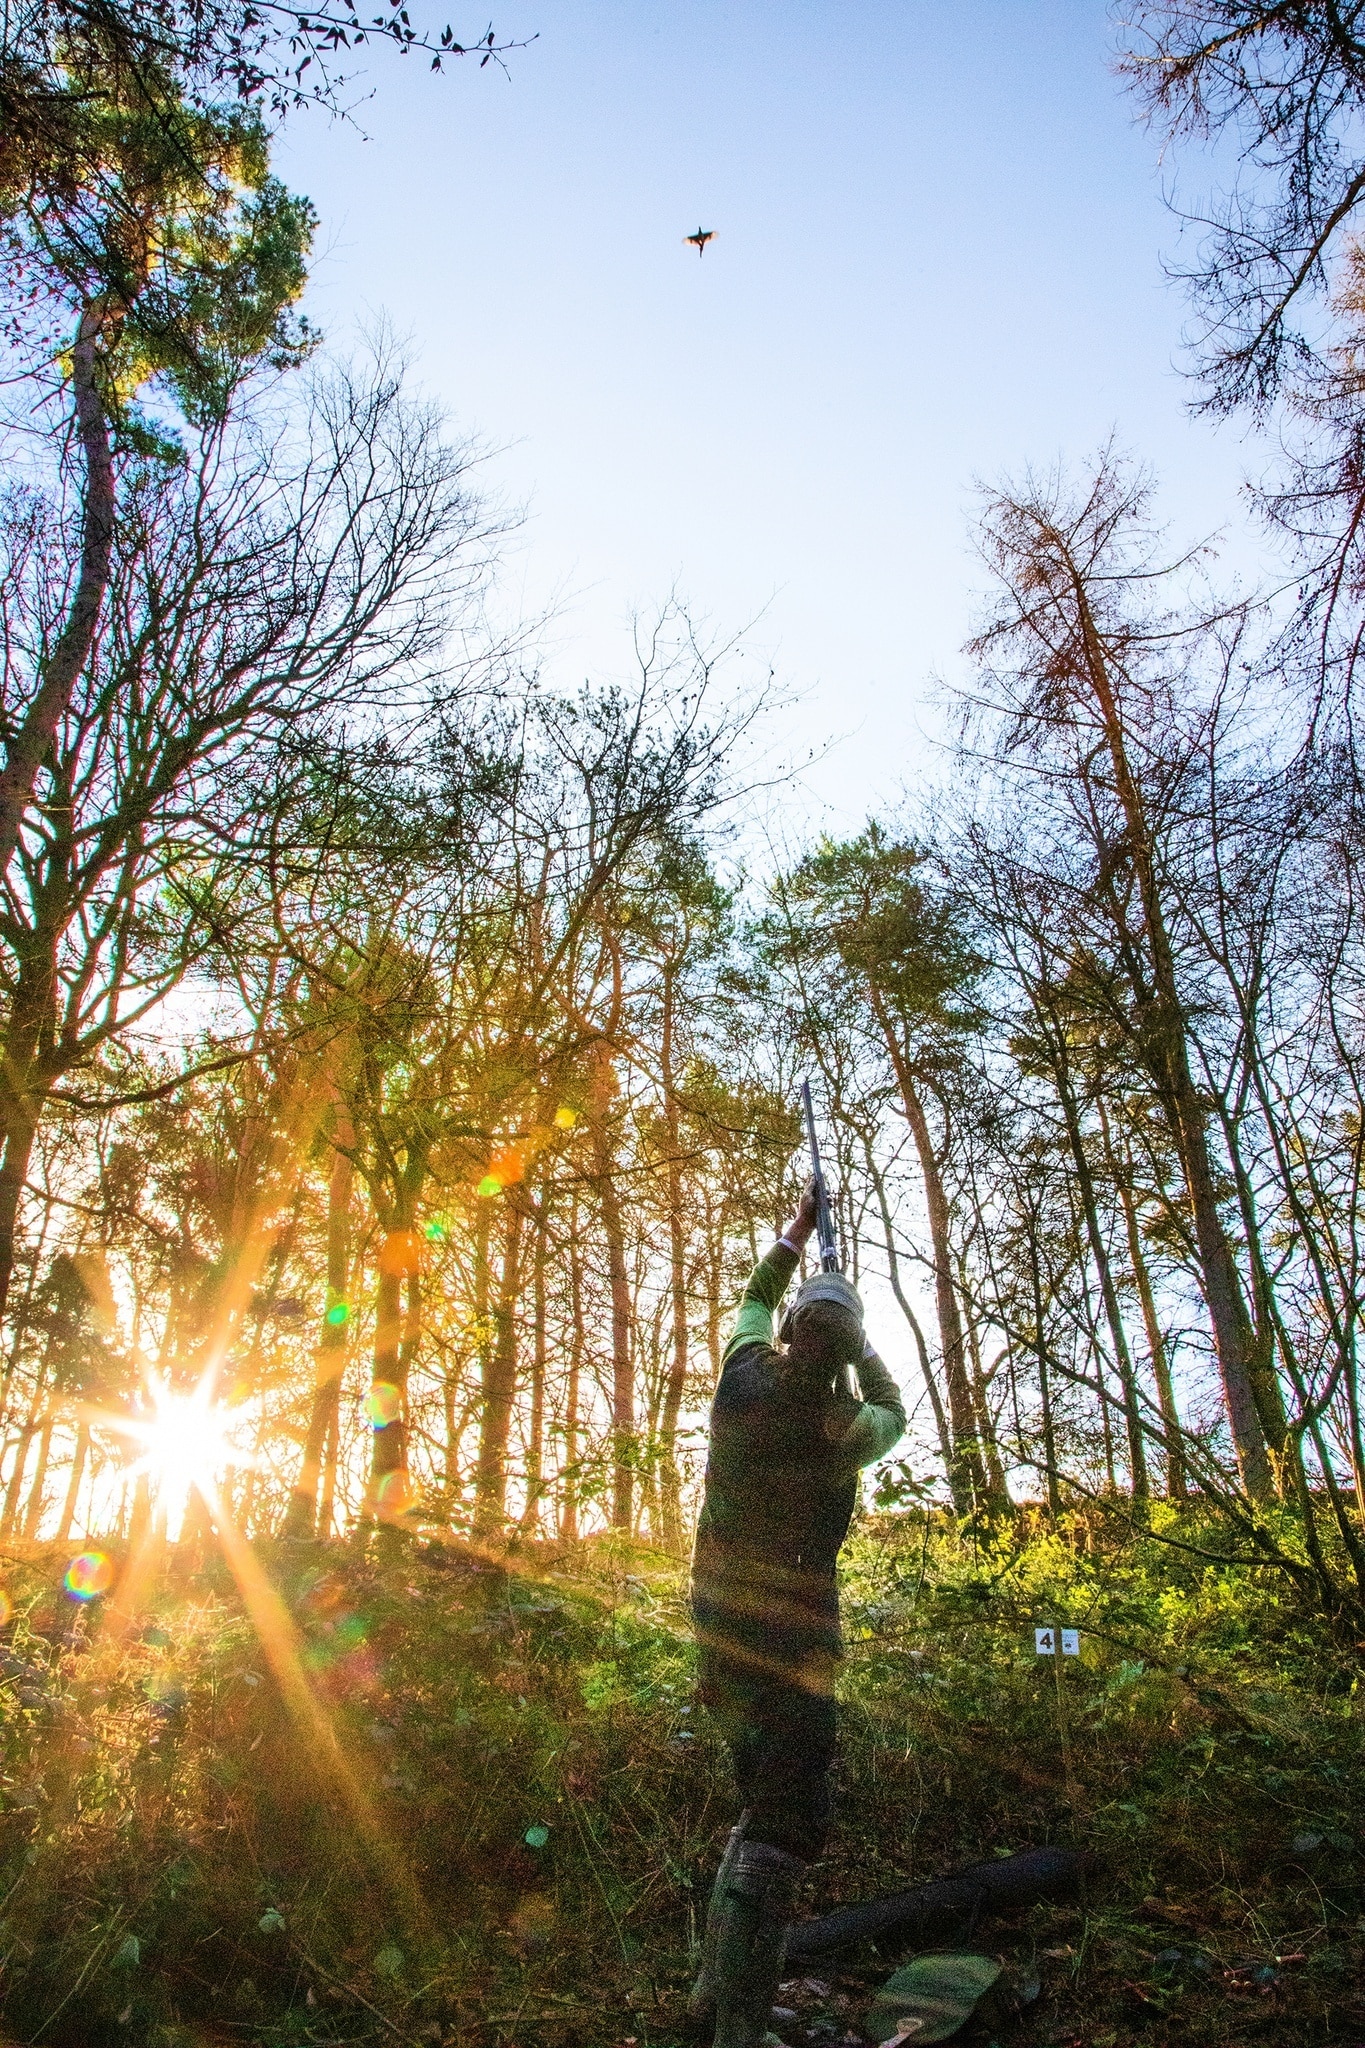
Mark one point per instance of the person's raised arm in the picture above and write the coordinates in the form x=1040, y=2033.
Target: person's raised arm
x=770, y=1278
x=880, y=1422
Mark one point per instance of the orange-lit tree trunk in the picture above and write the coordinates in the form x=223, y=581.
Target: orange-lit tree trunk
x=29, y=1429
x=388, y=1406
x=568, y=1483
x=329, y=1368
x=499, y=1384
x=622, y=1372
x=535, y=1437
x=33, y=1513
x=399, y=1259
x=676, y=1383
x=73, y=1484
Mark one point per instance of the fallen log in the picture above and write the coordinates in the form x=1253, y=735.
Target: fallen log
x=925, y=1910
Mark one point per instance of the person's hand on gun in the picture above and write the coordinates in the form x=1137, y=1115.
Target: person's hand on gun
x=802, y=1224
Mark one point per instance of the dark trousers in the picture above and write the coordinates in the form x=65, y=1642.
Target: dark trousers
x=779, y=1729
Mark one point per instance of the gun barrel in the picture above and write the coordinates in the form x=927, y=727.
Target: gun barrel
x=824, y=1220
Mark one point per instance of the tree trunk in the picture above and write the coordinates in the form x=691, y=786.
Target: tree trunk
x=329, y=1367
x=981, y=1402
x=878, y=1180
x=33, y=1513
x=1168, y=1059
x=966, y=1468
x=331, y=1457
x=499, y=1387
x=395, y=1340
x=34, y=738
x=1121, y=1172
x=20, y=1132
x=715, y=1267
x=14, y=1491
x=622, y=1376
x=535, y=1439
x=389, y=1423
x=1054, y=1493
x=73, y=1484
x=450, y=1478
x=1099, y=1252
x=931, y=1912
x=676, y=1384
x=568, y=1483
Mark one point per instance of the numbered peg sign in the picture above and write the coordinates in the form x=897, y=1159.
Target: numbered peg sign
x=1045, y=1642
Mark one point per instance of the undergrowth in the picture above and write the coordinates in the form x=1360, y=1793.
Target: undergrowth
x=439, y=1799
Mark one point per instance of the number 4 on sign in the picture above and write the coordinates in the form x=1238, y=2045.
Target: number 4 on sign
x=1045, y=1642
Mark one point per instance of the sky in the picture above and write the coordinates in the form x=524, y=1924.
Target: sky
x=938, y=259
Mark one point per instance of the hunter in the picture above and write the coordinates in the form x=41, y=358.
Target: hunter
x=788, y=1439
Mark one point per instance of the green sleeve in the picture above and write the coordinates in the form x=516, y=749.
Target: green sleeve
x=880, y=1422
x=767, y=1284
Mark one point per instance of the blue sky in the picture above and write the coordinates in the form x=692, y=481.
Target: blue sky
x=938, y=259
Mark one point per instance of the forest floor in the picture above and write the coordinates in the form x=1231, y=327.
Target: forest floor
x=409, y=1796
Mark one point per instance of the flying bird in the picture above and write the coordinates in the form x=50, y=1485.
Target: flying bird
x=700, y=239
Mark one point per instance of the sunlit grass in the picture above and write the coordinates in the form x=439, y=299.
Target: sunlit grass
x=347, y=1794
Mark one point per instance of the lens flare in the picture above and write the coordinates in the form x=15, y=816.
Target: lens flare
x=6, y=1607
x=339, y=1313
x=383, y=1404
x=89, y=1575
x=393, y=1495
x=490, y=1185
x=565, y=1117
x=399, y=1253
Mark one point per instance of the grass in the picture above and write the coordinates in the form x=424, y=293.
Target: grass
x=473, y=1803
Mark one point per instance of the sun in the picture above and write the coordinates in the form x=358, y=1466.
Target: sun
x=186, y=1444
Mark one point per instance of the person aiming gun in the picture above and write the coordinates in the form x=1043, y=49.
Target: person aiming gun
x=788, y=1439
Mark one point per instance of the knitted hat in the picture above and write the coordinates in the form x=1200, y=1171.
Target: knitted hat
x=838, y=1292
x=829, y=1287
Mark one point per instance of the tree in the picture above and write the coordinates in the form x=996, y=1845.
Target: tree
x=1287, y=84
x=1277, y=285
x=295, y=568
x=861, y=908
x=157, y=241
x=60, y=55
x=1070, y=657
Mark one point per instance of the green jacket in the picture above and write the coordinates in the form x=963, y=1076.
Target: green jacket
x=781, y=1488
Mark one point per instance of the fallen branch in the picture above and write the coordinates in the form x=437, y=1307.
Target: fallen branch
x=996, y=1887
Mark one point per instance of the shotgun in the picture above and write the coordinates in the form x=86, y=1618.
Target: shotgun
x=830, y=1262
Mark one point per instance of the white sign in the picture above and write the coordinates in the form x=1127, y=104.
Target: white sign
x=1045, y=1642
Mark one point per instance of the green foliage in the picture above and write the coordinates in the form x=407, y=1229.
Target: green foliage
x=535, y=1807
x=161, y=222
x=872, y=900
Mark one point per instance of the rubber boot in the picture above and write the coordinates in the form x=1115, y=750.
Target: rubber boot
x=701, y=2005
x=751, y=1943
